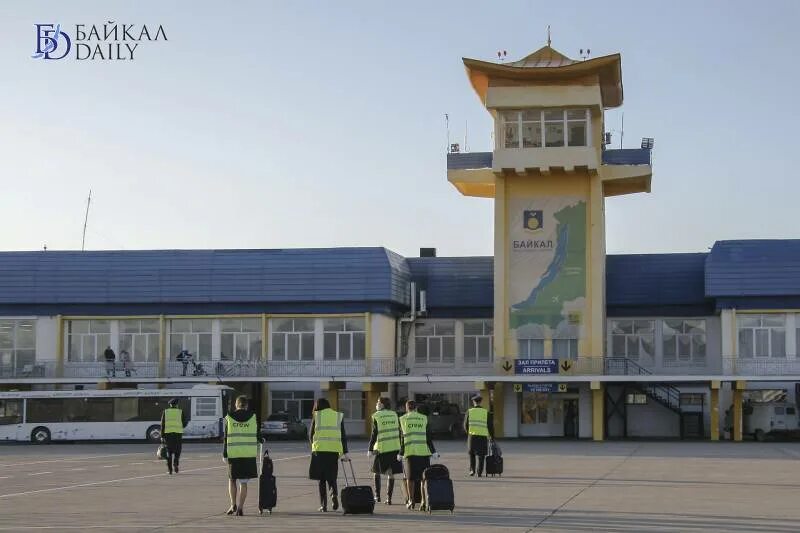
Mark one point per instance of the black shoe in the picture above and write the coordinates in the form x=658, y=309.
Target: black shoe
x=177, y=469
x=169, y=472
x=377, y=499
x=231, y=510
x=388, y=501
x=410, y=506
x=471, y=473
x=239, y=512
x=323, y=509
x=335, y=502
x=480, y=475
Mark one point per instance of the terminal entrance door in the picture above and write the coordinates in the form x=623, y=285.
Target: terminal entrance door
x=548, y=415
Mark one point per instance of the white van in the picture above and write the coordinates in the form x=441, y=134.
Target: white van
x=762, y=419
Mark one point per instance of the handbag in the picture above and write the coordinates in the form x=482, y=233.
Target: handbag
x=161, y=452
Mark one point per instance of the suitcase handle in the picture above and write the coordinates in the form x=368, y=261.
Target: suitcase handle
x=352, y=472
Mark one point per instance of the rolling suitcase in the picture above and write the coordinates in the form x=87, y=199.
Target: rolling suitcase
x=438, y=489
x=267, y=486
x=494, y=461
x=356, y=499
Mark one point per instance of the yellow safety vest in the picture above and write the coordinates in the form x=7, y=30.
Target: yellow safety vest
x=327, y=431
x=478, y=418
x=415, y=434
x=388, y=431
x=173, y=421
x=241, y=438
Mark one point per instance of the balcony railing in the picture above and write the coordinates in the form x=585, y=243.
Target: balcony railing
x=479, y=160
x=388, y=367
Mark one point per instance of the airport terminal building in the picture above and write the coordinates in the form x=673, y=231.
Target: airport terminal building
x=565, y=340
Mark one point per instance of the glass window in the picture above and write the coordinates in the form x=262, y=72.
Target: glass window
x=87, y=340
x=240, y=339
x=684, y=340
x=577, y=121
x=344, y=339
x=293, y=339
x=554, y=128
x=126, y=409
x=761, y=335
x=139, y=339
x=17, y=346
x=478, y=341
x=435, y=342
x=511, y=129
x=294, y=403
x=636, y=398
x=10, y=412
x=193, y=335
x=531, y=129
x=352, y=404
x=531, y=348
x=565, y=349
x=535, y=407
x=633, y=338
x=205, y=407
x=44, y=410
x=151, y=408
x=691, y=398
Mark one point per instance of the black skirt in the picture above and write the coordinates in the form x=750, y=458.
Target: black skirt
x=386, y=463
x=415, y=466
x=242, y=468
x=478, y=445
x=324, y=465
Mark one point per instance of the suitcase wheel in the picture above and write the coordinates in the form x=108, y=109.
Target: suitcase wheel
x=260, y=510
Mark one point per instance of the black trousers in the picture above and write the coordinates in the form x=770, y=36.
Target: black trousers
x=389, y=489
x=323, y=497
x=481, y=463
x=174, y=442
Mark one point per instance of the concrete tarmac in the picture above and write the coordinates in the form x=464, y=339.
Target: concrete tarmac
x=547, y=486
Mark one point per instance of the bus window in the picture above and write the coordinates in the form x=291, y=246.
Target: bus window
x=74, y=410
x=44, y=410
x=100, y=409
x=151, y=408
x=206, y=407
x=10, y=412
x=126, y=409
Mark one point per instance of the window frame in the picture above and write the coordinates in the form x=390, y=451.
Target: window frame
x=487, y=335
x=446, y=342
x=250, y=338
x=339, y=329
x=17, y=349
x=768, y=330
x=693, y=357
x=634, y=334
x=520, y=121
x=297, y=340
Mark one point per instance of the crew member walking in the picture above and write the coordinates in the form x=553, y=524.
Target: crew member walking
x=328, y=442
x=173, y=420
x=384, y=446
x=416, y=448
x=240, y=451
x=478, y=425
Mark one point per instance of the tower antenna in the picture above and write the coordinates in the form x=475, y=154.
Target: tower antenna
x=548, y=35
x=447, y=127
x=86, y=220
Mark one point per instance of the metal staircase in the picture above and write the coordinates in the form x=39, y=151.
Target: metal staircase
x=666, y=395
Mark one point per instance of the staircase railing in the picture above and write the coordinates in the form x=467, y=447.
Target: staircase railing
x=667, y=395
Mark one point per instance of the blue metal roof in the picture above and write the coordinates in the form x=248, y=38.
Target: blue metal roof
x=476, y=160
x=656, y=284
x=470, y=160
x=455, y=286
x=753, y=268
x=365, y=275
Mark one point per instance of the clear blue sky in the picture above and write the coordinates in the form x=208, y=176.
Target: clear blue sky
x=298, y=124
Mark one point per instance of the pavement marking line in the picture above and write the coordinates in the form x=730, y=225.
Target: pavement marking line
x=96, y=483
x=77, y=469
x=40, y=473
x=4, y=477
x=71, y=460
x=110, y=466
x=137, y=463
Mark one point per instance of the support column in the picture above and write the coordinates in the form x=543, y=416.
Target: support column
x=59, y=347
x=264, y=400
x=714, y=410
x=499, y=409
x=330, y=390
x=738, y=393
x=598, y=411
x=373, y=391
x=162, y=348
x=483, y=389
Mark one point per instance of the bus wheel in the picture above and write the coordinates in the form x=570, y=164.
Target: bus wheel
x=40, y=435
x=759, y=435
x=153, y=434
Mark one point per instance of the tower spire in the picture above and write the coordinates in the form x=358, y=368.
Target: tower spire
x=548, y=35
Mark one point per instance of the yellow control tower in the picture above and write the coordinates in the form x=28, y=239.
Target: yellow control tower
x=549, y=175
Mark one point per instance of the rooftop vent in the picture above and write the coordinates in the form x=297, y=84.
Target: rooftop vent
x=427, y=252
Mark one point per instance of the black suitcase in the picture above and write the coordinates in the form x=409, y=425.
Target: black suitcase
x=267, y=485
x=356, y=499
x=438, y=489
x=494, y=465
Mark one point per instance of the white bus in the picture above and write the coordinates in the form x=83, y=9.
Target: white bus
x=42, y=416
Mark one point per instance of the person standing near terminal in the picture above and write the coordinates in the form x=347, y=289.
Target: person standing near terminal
x=416, y=448
x=478, y=425
x=240, y=451
x=110, y=357
x=328, y=443
x=173, y=420
x=384, y=446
